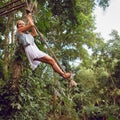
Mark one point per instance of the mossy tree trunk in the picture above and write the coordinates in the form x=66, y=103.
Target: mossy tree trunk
x=6, y=42
x=17, y=68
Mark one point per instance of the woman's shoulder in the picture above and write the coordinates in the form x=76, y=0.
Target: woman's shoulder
x=22, y=33
x=18, y=33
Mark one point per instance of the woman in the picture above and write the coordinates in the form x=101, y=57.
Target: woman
x=34, y=55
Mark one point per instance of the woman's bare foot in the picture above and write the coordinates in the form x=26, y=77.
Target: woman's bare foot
x=67, y=75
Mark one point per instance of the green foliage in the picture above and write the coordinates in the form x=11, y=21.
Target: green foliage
x=69, y=27
x=33, y=100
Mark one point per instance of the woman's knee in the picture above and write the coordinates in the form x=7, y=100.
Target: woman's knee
x=47, y=59
x=51, y=61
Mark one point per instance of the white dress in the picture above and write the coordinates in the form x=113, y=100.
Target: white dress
x=32, y=50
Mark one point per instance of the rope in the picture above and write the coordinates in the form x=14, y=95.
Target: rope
x=72, y=82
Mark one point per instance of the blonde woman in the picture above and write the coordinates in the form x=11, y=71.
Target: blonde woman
x=34, y=55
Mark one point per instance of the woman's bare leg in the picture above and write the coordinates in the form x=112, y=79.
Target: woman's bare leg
x=56, y=68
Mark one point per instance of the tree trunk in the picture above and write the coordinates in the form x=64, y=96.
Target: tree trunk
x=6, y=48
x=17, y=68
x=12, y=37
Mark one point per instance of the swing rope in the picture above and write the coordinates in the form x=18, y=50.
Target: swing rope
x=72, y=83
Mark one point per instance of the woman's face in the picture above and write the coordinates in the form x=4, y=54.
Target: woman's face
x=20, y=23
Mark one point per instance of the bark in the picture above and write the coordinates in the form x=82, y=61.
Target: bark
x=17, y=68
x=6, y=48
x=12, y=36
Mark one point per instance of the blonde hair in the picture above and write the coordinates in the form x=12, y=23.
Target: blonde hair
x=18, y=22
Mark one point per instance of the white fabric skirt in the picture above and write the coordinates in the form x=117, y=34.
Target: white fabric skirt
x=33, y=52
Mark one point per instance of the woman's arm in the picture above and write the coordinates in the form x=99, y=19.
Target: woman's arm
x=28, y=26
x=24, y=28
x=33, y=30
